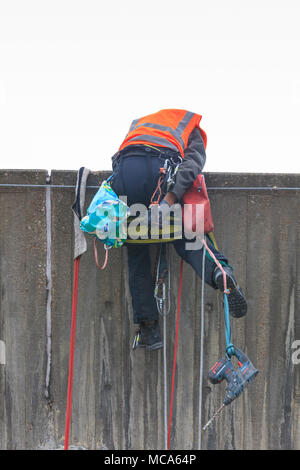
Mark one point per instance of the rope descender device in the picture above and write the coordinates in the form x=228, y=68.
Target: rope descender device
x=162, y=283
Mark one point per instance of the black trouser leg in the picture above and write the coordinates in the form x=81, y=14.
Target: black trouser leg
x=141, y=284
x=195, y=259
x=136, y=177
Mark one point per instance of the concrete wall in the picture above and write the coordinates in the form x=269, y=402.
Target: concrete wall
x=118, y=393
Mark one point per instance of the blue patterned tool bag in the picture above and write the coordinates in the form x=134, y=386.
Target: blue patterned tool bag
x=106, y=217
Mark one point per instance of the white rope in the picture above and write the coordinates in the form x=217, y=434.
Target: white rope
x=201, y=350
x=49, y=291
x=165, y=380
x=164, y=309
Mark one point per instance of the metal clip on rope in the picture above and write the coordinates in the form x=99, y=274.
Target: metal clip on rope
x=160, y=291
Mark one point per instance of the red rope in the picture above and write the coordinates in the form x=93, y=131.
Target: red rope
x=226, y=291
x=158, y=189
x=96, y=255
x=71, y=357
x=175, y=354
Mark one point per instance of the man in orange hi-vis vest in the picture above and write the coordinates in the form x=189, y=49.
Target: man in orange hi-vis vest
x=167, y=135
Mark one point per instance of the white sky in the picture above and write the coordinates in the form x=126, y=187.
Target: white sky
x=74, y=74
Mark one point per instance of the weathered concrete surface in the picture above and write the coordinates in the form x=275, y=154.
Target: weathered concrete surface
x=23, y=412
x=118, y=394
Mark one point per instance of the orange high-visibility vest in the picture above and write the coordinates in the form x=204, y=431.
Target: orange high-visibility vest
x=169, y=128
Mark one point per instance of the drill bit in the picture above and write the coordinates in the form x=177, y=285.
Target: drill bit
x=214, y=416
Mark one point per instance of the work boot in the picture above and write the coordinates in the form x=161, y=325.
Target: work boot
x=236, y=299
x=148, y=336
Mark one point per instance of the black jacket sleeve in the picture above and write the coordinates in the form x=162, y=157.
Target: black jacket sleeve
x=192, y=164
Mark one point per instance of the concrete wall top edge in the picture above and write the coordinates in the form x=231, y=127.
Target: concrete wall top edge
x=252, y=179
x=23, y=176
x=63, y=177
x=219, y=179
x=213, y=179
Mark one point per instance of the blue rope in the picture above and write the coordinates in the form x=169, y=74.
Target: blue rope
x=229, y=345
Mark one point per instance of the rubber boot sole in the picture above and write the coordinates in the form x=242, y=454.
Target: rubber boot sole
x=236, y=299
x=154, y=346
x=149, y=347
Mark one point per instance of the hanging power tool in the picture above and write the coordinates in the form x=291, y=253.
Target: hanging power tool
x=237, y=379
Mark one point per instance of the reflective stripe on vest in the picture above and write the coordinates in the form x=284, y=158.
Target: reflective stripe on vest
x=163, y=128
x=184, y=122
x=133, y=125
x=155, y=140
x=175, y=137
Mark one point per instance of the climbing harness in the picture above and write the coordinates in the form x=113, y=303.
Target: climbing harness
x=172, y=165
x=174, y=230
x=166, y=179
x=156, y=196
